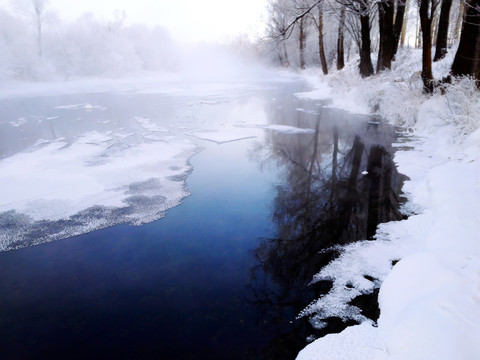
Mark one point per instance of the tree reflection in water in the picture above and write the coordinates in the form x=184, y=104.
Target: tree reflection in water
x=337, y=185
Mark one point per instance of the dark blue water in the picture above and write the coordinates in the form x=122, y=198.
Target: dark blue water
x=222, y=276
x=171, y=289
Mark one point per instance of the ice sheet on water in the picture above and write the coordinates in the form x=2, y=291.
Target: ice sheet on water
x=65, y=187
x=19, y=122
x=84, y=106
x=224, y=134
x=149, y=125
x=311, y=112
x=243, y=131
x=284, y=129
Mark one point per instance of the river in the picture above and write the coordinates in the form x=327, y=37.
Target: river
x=180, y=225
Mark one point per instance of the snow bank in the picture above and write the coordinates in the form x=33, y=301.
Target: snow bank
x=430, y=299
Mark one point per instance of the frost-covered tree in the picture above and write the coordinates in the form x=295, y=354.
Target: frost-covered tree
x=362, y=11
x=318, y=21
x=279, y=19
x=86, y=47
x=36, y=9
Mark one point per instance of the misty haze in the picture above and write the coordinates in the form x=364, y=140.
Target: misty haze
x=275, y=179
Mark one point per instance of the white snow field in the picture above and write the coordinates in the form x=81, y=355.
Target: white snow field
x=430, y=299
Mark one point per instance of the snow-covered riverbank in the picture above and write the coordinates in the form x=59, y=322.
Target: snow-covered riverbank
x=430, y=299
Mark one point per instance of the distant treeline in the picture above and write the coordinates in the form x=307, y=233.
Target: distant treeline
x=39, y=46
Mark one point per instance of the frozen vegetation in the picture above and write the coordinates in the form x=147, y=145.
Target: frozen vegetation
x=427, y=266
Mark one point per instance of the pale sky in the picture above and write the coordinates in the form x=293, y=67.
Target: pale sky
x=195, y=20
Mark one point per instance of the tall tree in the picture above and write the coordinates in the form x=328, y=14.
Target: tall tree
x=277, y=28
x=442, y=35
x=36, y=10
x=302, y=36
x=302, y=8
x=321, y=44
x=426, y=11
x=385, y=21
x=366, y=66
x=360, y=31
x=341, y=40
x=467, y=58
x=399, y=24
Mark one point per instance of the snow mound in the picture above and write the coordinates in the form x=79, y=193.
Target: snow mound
x=339, y=346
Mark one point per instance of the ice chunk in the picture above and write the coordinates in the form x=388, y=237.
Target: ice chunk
x=85, y=106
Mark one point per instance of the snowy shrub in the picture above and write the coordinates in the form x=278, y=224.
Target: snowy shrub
x=463, y=103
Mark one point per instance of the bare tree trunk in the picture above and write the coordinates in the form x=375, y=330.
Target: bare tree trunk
x=442, y=36
x=39, y=36
x=39, y=7
x=321, y=47
x=280, y=58
x=301, y=40
x=426, y=12
x=340, y=41
x=366, y=67
x=385, y=23
x=399, y=25
x=285, y=53
x=467, y=58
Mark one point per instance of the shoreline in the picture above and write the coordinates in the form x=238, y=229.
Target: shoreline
x=429, y=301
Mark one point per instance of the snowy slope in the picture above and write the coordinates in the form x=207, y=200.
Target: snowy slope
x=430, y=299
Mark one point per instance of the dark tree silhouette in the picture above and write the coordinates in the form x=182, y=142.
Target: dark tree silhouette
x=399, y=25
x=442, y=36
x=427, y=11
x=467, y=57
x=341, y=40
x=386, y=11
x=366, y=66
